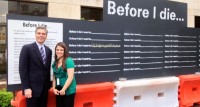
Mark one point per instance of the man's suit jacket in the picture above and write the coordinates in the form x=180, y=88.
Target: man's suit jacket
x=33, y=73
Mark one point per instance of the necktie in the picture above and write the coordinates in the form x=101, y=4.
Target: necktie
x=42, y=55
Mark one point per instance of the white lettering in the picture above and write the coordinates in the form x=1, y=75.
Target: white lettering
x=111, y=7
x=126, y=11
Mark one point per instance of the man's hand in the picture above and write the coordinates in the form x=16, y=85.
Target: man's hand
x=28, y=93
x=55, y=91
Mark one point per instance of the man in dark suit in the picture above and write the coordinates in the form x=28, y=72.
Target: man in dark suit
x=34, y=69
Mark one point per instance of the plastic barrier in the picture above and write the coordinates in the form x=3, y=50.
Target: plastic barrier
x=90, y=95
x=95, y=95
x=20, y=100
x=51, y=99
x=155, y=92
x=189, y=90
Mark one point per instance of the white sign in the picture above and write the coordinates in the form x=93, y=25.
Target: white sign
x=21, y=32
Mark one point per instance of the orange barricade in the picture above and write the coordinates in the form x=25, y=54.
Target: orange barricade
x=20, y=100
x=189, y=90
x=90, y=95
x=95, y=95
x=51, y=99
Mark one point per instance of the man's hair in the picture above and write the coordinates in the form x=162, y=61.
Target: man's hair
x=41, y=27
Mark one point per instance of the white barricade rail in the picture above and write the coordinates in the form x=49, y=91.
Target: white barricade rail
x=150, y=92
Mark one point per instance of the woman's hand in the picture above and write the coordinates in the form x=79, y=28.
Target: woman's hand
x=62, y=92
x=55, y=91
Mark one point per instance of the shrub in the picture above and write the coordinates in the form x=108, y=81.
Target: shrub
x=5, y=98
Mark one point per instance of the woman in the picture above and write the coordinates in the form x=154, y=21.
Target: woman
x=64, y=83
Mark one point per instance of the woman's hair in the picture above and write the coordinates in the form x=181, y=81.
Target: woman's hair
x=65, y=55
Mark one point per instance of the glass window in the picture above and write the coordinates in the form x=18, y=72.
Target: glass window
x=3, y=54
x=12, y=7
x=33, y=9
x=197, y=21
x=27, y=8
x=93, y=14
